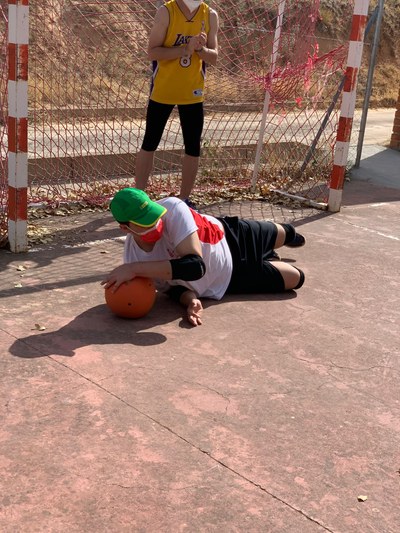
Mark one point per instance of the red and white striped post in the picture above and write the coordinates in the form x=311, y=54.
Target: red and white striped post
x=360, y=16
x=18, y=40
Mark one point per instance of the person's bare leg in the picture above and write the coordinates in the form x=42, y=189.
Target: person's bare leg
x=290, y=274
x=281, y=236
x=144, y=166
x=190, y=166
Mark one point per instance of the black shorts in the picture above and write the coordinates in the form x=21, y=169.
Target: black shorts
x=191, y=117
x=252, y=243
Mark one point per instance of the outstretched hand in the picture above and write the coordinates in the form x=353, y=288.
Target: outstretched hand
x=194, y=312
x=118, y=276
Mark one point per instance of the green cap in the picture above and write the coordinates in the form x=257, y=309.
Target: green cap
x=135, y=206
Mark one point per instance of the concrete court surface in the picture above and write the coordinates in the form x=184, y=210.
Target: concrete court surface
x=279, y=414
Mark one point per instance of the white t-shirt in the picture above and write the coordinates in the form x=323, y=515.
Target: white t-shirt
x=180, y=222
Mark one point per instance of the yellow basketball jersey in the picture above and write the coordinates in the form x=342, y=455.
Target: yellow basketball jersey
x=181, y=80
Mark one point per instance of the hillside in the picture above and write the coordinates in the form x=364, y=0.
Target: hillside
x=387, y=71
x=63, y=31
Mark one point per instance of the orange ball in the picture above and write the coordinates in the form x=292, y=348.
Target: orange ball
x=132, y=299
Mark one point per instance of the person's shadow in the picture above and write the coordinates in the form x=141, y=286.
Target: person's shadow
x=99, y=326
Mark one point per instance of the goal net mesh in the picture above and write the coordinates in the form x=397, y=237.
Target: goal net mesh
x=89, y=79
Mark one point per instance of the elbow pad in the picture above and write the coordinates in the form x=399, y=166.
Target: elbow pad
x=188, y=268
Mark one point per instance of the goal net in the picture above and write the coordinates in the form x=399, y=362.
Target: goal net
x=271, y=104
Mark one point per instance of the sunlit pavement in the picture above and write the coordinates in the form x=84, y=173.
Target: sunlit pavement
x=278, y=414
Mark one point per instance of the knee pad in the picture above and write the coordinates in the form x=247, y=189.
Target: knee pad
x=302, y=279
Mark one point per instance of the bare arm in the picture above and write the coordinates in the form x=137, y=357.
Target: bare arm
x=189, y=299
x=209, y=52
x=207, y=45
x=152, y=269
x=156, y=51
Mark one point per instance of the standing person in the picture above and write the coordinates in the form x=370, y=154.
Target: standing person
x=182, y=41
x=191, y=255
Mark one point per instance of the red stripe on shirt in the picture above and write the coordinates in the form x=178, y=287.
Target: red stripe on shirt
x=208, y=232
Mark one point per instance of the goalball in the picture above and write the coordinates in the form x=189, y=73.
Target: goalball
x=132, y=299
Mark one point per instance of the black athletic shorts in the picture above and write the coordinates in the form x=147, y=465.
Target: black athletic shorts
x=252, y=243
x=191, y=117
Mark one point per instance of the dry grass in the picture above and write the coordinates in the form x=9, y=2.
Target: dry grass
x=102, y=58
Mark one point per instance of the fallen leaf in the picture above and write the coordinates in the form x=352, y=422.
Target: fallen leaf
x=362, y=498
x=18, y=285
x=39, y=327
x=21, y=268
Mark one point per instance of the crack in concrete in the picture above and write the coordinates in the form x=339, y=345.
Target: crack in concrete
x=226, y=398
x=202, y=386
x=263, y=489
x=205, y=452
x=368, y=394
x=191, y=444
x=365, y=369
x=332, y=366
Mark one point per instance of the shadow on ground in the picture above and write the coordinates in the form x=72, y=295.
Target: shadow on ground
x=98, y=326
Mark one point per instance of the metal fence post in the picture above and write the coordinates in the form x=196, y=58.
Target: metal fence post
x=368, y=89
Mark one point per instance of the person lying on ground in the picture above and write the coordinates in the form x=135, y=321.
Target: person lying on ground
x=192, y=255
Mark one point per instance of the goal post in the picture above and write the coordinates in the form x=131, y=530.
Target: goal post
x=354, y=58
x=18, y=41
